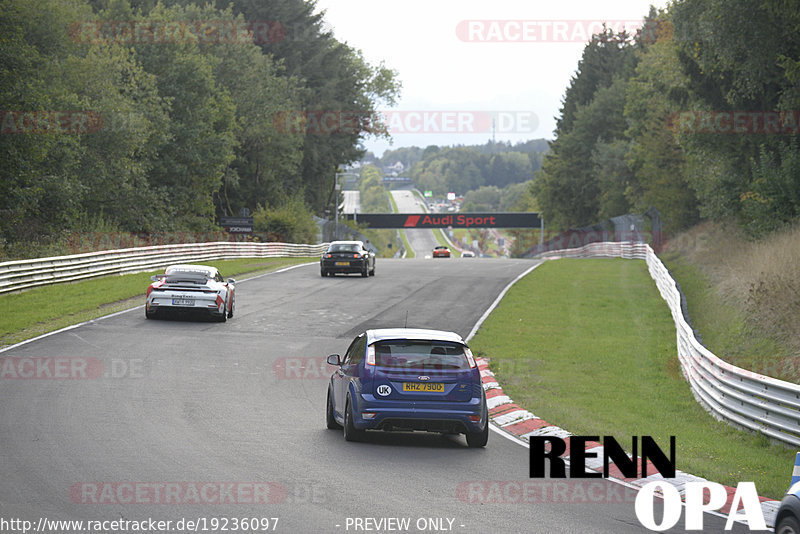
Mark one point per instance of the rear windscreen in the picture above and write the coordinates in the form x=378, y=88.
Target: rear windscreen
x=436, y=355
x=344, y=248
x=187, y=277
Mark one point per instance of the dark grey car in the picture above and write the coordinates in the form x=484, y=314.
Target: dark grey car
x=347, y=257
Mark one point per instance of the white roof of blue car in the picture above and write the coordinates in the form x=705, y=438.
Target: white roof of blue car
x=383, y=334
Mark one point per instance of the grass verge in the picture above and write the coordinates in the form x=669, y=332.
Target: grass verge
x=409, y=251
x=724, y=328
x=383, y=240
x=589, y=345
x=742, y=296
x=40, y=310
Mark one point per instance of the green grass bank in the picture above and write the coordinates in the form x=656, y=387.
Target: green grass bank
x=589, y=345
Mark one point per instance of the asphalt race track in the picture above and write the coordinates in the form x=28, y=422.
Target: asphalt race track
x=422, y=241
x=185, y=406
x=351, y=201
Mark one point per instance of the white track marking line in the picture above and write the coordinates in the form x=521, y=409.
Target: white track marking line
x=71, y=327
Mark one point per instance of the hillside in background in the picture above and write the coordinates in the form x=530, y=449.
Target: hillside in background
x=468, y=168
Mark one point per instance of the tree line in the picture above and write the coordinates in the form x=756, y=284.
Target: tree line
x=144, y=116
x=459, y=169
x=695, y=114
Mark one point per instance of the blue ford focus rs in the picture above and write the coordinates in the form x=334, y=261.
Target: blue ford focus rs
x=407, y=379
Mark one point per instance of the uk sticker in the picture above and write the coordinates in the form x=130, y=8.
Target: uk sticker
x=384, y=390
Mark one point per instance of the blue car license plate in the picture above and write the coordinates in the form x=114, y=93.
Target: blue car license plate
x=423, y=386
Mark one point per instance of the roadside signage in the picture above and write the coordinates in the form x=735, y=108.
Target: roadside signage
x=237, y=225
x=428, y=194
x=455, y=220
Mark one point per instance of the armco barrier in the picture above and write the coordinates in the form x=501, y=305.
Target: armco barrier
x=732, y=394
x=23, y=274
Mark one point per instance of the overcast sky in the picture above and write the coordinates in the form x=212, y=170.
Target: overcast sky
x=464, y=62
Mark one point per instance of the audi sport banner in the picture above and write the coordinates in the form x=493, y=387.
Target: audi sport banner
x=444, y=220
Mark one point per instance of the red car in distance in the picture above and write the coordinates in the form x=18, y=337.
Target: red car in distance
x=441, y=252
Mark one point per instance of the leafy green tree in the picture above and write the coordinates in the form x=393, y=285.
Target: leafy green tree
x=606, y=57
x=96, y=168
x=408, y=156
x=518, y=197
x=513, y=197
x=430, y=151
x=462, y=169
x=508, y=168
x=118, y=158
x=485, y=198
x=568, y=188
x=451, y=169
x=186, y=130
x=613, y=177
x=774, y=196
x=654, y=95
x=291, y=221
x=335, y=78
x=429, y=176
x=788, y=57
x=462, y=177
x=202, y=126
x=40, y=189
x=372, y=193
x=267, y=160
x=732, y=70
